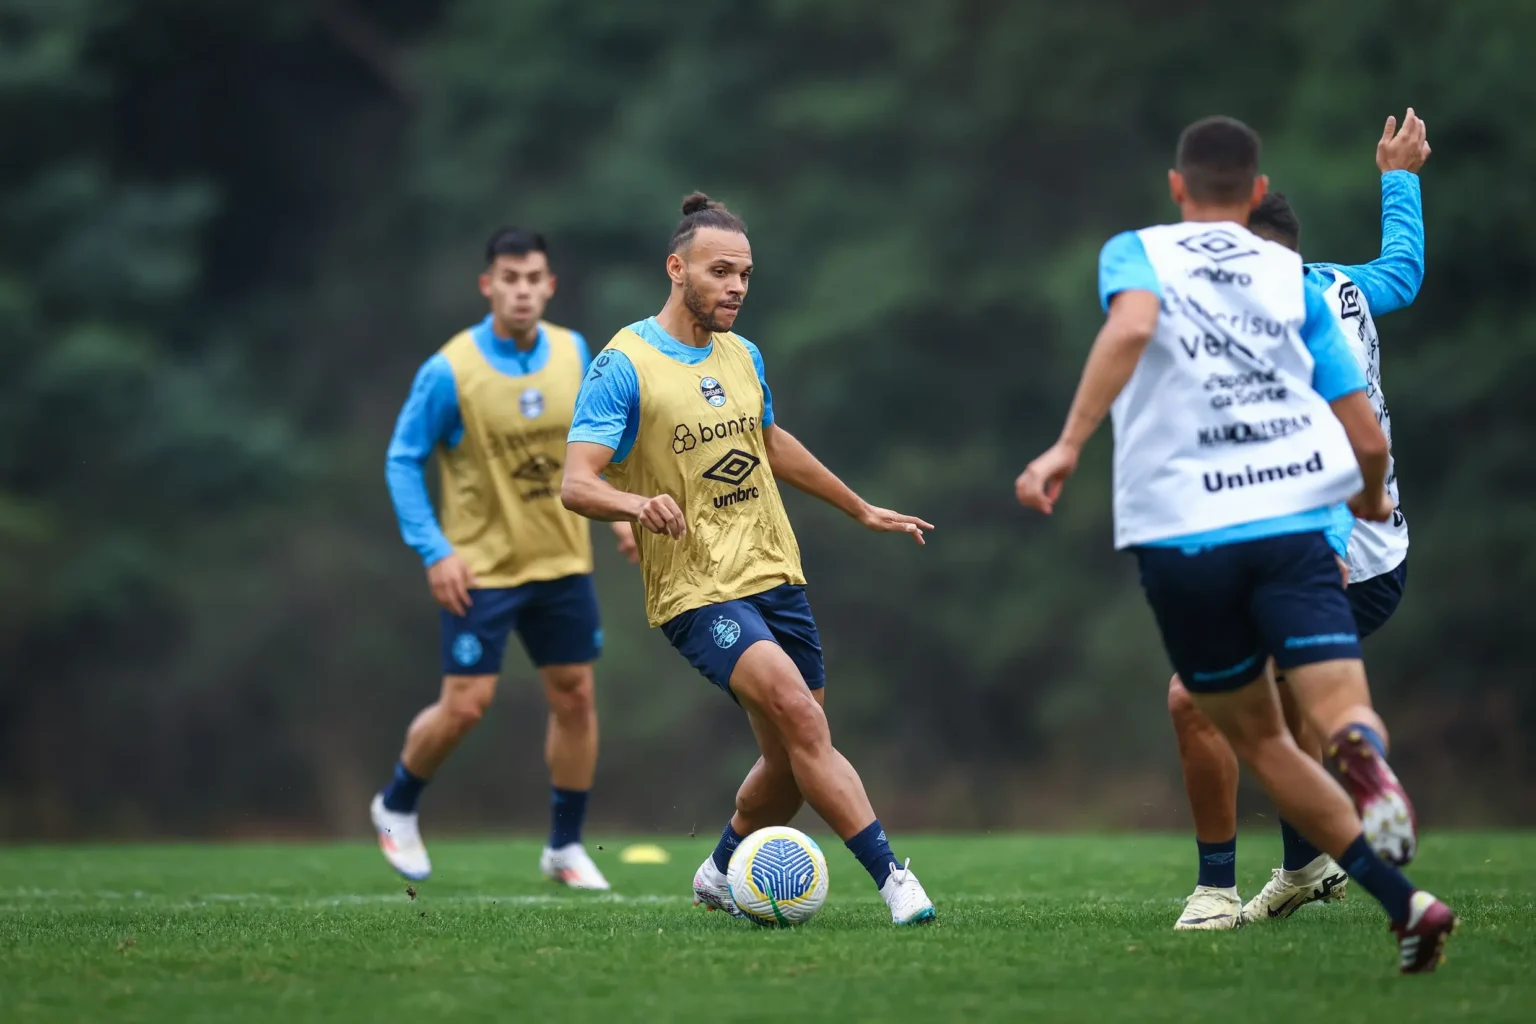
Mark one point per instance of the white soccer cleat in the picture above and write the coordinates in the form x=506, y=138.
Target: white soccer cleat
x=1210, y=909
x=904, y=894
x=400, y=840
x=571, y=866
x=712, y=890
x=1289, y=891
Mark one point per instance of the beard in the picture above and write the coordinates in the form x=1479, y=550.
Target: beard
x=702, y=314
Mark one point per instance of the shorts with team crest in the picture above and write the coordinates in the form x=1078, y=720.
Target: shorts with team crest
x=557, y=621
x=714, y=637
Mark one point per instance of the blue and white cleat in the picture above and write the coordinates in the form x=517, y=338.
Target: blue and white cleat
x=904, y=894
x=571, y=866
x=711, y=889
x=400, y=841
x=1210, y=909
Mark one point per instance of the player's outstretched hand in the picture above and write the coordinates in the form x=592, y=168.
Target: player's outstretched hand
x=1374, y=508
x=883, y=520
x=625, y=535
x=451, y=581
x=1404, y=150
x=661, y=515
x=1040, y=484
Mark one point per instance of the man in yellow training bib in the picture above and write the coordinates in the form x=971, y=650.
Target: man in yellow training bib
x=495, y=405
x=676, y=412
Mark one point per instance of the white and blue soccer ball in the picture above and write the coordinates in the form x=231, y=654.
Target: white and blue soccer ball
x=778, y=877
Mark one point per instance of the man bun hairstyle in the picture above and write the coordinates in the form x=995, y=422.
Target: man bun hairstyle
x=700, y=211
x=513, y=242
x=1274, y=219
x=1219, y=158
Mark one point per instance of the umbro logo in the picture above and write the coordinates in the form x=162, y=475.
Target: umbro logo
x=1218, y=245
x=538, y=468
x=733, y=467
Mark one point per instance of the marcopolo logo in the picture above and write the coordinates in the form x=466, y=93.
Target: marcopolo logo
x=531, y=402
x=713, y=393
x=1251, y=477
x=1218, y=245
x=1253, y=433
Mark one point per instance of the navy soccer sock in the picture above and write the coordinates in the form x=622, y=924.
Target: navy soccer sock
x=1218, y=864
x=873, y=851
x=403, y=791
x=1389, y=885
x=567, y=810
x=729, y=840
x=1298, y=852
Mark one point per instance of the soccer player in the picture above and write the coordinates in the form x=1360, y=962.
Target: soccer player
x=495, y=404
x=1376, y=553
x=1213, y=334
x=677, y=413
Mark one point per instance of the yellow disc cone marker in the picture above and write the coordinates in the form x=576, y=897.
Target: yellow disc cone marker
x=644, y=853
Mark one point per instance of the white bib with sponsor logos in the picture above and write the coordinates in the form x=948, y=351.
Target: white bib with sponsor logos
x=1374, y=548
x=1219, y=424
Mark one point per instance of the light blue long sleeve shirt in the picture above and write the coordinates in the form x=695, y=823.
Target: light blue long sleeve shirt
x=430, y=417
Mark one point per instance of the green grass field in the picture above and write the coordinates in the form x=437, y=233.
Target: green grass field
x=1054, y=928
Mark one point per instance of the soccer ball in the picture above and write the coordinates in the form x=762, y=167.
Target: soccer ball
x=778, y=876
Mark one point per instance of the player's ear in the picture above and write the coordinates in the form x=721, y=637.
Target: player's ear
x=676, y=269
x=485, y=284
x=1176, y=189
x=1260, y=190
x=551, y=282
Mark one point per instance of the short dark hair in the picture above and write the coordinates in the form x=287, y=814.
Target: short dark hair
x=1219, y=158
x=1274, y=218
x=700, y=211
x=514, y=242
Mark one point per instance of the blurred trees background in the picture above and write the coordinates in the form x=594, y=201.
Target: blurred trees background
x=230, y=232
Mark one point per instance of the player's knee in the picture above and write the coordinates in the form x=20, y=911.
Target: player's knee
x=464, y=705
x=1181, y=707
x=800, y=721
x=572, y=697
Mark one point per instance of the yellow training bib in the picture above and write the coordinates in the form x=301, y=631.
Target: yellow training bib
x=501, y=506
x=701, y=441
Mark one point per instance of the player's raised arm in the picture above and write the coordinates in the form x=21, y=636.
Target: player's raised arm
x=1133, y=317
x=794, y=464
x=1392, y=280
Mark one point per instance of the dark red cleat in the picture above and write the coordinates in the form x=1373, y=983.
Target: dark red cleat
x=1421, y=939
x=1385, y=811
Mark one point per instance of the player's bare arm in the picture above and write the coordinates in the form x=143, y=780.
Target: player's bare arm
x=1118, y=347
x=1372, y=452
x=585, y=492
x=626, y=540
x=794, y=464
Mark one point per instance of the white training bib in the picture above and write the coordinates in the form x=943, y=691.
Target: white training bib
x=1374, y=548
x=1219, y=424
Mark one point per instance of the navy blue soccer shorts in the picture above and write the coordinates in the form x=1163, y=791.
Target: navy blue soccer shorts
x=714, y=637
x=557, y=620
x=1223, y=611
x=1374, y=600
